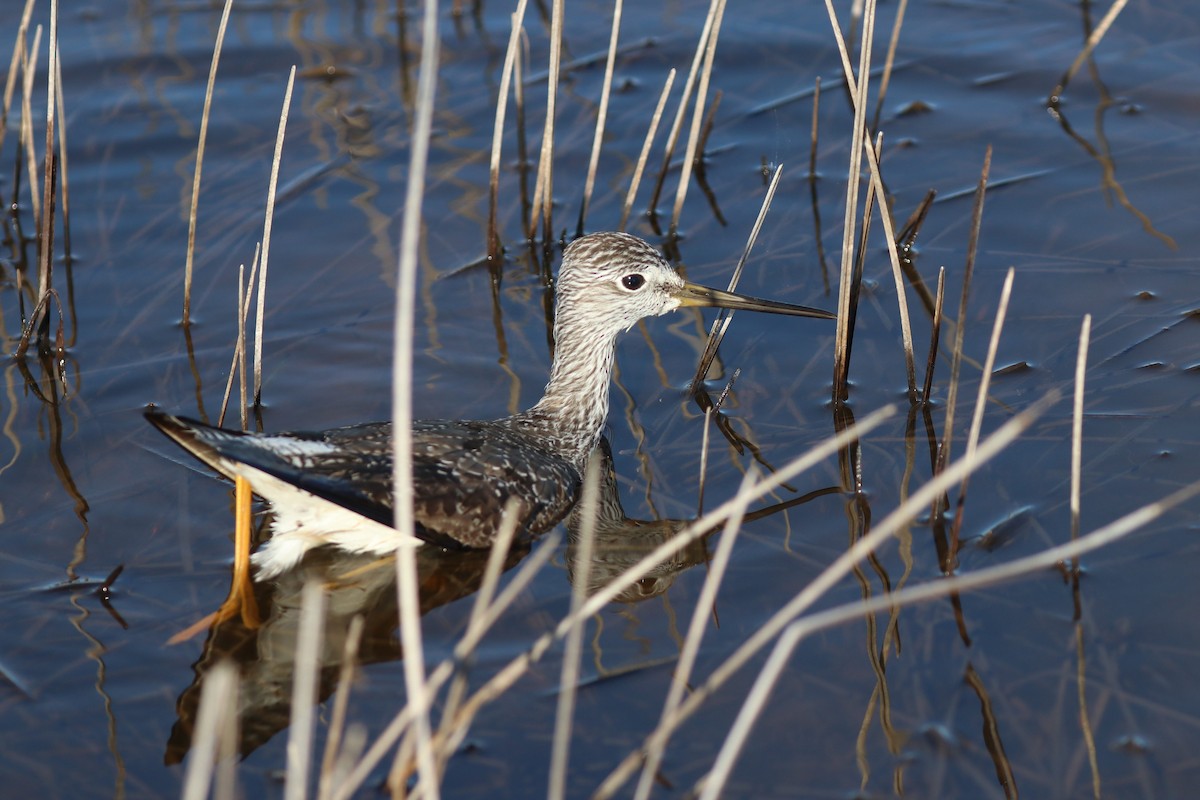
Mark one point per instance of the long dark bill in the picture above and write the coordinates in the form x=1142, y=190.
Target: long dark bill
x=693, y=294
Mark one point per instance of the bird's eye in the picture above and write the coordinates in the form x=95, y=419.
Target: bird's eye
x=633, y=282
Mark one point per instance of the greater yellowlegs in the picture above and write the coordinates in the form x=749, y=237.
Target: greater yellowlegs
x=334, y=487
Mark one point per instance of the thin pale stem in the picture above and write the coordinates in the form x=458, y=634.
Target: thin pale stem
x=689, y=157
x=266, y=240
x=419, y=696
x=301, y=728
x=645, y=154
x=510, y=56
x=193, y=211
x=601, y=115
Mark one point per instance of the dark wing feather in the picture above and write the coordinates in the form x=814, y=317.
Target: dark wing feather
x=463, y=472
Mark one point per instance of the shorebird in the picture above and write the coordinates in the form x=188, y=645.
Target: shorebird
x=334, y=487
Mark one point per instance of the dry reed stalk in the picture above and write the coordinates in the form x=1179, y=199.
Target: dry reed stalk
x=889, y=233
x=337, y=721
x=706, y=603
x=543, y=198
x=29, y=68
x=1019, y=568
x=960, y=326
x=873, y=161
x=510, y=55
x=889, y=62
x=601, y=116
x=15, y=66
x=573, y=645
x=419, y=698
x=1085, y=333
x=238, y=365
x=266, y=240
x=981, y=401
x=841, y=344
x=645, y=153
x=218, y=702
x=1085, y=725
x=812, y=185
x=689, y=158
x=856, y=277
x=935, y=334
x=721, y=324
x=203, y=139
x=677, y=125
x=304, y=690
x=46, y=234
x=828, y=578
x=1097, y=34
x=64, y=196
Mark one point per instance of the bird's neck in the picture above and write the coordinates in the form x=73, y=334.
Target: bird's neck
x=574, y=408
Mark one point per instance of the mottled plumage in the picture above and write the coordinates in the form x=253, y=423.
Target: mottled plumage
x=334, y=487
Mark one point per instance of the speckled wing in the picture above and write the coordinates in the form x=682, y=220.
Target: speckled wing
x=463, y=472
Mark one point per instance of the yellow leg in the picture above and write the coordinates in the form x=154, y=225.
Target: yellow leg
x=241, y=589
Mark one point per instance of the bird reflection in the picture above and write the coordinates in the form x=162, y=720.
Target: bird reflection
x=265, y=655
x=620, y=542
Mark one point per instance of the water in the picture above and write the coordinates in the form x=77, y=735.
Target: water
x=91, y=695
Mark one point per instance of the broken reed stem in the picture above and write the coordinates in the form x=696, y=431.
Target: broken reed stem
x=419, y=699
x=677, y=125
x=341, y=701
x=1018, y=568
x=601, y=116
x=721, y=324
x=266, y=240
x=238, y=365
x=935, y=334
x=1094, y=39
x=1085, y=333
x=828, y=578
x=218, y=702
x=203, y=139
x=304, y=690
x=705, y=603
x=981, y=402
x=15, y=66
x=961, y=325
x=510, y=55
x=543, y=198
x=841, y=345
x=645, y=154
x=689, y=157
x=573, y=644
